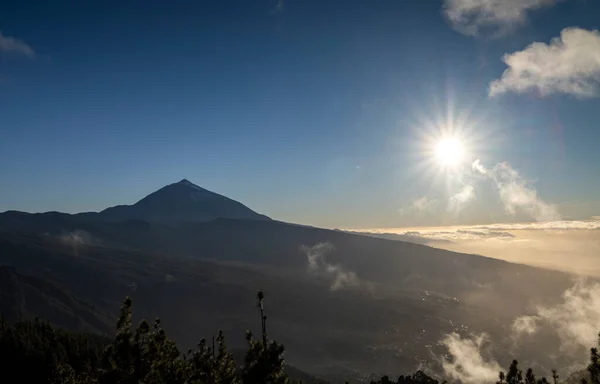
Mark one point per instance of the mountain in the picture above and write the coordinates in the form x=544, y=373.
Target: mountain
x=174, y=204
x=343, y=304
x=178, y=203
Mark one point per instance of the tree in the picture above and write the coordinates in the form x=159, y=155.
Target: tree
x=514, y=374
x=263, y=365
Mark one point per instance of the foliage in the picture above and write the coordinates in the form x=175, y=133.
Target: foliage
x=418, y=377
x=36, y=352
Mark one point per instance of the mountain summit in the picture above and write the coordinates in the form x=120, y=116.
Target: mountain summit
x=179, y=203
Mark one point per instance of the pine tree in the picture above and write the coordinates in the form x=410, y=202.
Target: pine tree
x=530, y=377
x=263, y=365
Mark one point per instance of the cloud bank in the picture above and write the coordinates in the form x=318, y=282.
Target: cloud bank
x=472, y=17
x=569, y=64
x=338, y=276
x=12, y=45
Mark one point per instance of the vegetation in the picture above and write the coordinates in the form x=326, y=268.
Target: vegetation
x=37, y=352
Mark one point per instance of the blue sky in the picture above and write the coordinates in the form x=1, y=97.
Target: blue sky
x=317, y=112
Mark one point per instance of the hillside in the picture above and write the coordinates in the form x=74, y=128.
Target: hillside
x=345, y=304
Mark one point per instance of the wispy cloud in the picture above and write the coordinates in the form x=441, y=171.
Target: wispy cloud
x=338, y=276
x=457, y=201
x=569, y=64
x=468, y=364
x=78, y=238
x=16, y=46
x=477, y=166
x=517, y=193
x=471, y=17
x=422, y=204
x=575, y=320
x=525, y=324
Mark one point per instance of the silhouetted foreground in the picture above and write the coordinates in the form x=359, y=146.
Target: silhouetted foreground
x=37, y=352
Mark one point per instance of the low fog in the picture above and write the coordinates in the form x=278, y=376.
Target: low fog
x=573, y=321
x=571, y=246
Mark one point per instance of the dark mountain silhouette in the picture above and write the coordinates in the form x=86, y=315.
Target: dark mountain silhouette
x=179, y=203
x=174, y=204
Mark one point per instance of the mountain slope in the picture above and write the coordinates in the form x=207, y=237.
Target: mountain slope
x=29, y=296
x=183, y=254
x=408, y=298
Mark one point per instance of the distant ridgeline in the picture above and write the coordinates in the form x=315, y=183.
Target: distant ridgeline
x=37, y=352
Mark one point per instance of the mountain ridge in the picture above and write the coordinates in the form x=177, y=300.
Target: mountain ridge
x=173, y=204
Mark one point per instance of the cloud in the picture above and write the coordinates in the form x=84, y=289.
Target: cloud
x=78, y=238
x=450, y=236
x=575, y=320
x=547, y=225
x=477, y=166
x=12, y=45
x=516, y=193
x=570, y=64
x=337, y=275
x=457, y=201
x=411, y=237
x=422, y=204
x=472, y=17
x=468, y=364
x=525, y=324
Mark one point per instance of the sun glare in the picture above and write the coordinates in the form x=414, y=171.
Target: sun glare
x=449, y=152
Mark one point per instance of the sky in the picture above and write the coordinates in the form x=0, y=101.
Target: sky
x=328, y=113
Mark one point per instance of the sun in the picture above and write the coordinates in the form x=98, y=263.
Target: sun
x=450, y=152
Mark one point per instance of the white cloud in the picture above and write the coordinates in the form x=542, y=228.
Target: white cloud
x=548, y=225
x=525, y=324
x=12, y=45
x=468, y=364
x=516, y=193
x=470, y=17
x=338, y=276
x=477, y=166
x=457, y=201
x=575, y=320
x=570, y=64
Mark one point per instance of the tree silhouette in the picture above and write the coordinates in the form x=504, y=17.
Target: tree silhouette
x=36, y=352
